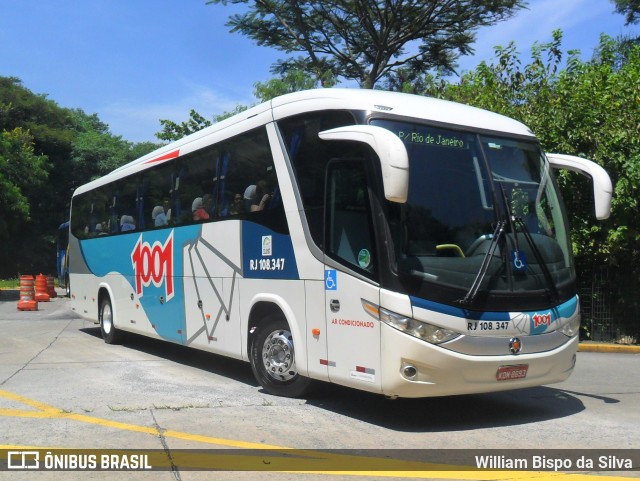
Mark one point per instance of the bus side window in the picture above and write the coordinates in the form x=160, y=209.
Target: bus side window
x=197, y=183
x=309, y=156
x=157, y=195
x=125, y=204
x=349, y=224
x=249, y=187
x=79, y=215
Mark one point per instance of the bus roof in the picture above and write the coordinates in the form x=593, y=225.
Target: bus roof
x=374, y=101
x=396, y=103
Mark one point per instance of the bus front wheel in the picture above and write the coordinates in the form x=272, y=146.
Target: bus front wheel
x=273, y=359
x=109, y=332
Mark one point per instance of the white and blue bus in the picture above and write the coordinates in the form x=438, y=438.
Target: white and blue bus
x=392, y=243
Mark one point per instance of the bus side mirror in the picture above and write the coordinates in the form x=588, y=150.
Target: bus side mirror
x=602, y=188
x=392, y=153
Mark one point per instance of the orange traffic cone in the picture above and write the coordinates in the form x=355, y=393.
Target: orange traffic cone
x=41, y=288
x=51, y=288
x=27, y=302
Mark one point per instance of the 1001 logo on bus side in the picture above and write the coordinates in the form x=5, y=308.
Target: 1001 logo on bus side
x=153, y=263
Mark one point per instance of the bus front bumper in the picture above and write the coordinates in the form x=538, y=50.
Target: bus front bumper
x=413, y=368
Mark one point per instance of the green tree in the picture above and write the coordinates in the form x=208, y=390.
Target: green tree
x=39, y=140
x=95, y=151
x=290, y=81
x=95, y=154
x=50, y=131
x=629, y=8
x=22, y=172
x=365, y=40
x=173, y=131
x=140, y=149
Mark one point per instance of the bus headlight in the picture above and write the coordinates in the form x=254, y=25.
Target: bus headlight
x=571, y=327
x=421, y=330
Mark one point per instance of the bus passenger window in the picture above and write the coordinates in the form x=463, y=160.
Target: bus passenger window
x=195, y=186
x=249, y=184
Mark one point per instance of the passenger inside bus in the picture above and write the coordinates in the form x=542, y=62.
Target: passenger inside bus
x=201, y=207
x=249, y=194
x=237, y=206
x=100, y=230
x=127, y=223
x=159, y=215
x=261, y=197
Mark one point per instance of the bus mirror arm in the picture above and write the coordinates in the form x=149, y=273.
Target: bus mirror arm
x=602, y=187
x=390, y=150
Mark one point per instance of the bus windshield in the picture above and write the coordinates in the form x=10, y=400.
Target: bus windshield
x=481, y=210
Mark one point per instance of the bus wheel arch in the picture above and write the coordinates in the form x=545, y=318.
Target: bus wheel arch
x=272, y=352
x=106, y=318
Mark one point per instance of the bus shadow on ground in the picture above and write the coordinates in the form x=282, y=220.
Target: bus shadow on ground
x=451, y=413
x=206, y=361
x=438, y=414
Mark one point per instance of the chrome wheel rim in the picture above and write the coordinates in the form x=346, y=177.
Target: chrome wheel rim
x=278, y=356
x=107, y=318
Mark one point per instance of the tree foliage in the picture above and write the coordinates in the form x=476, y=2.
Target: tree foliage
x=629, y=8
x=21, y=173
x=290, y=81
x=173, y=131
x=46, y=151
x=365, y=40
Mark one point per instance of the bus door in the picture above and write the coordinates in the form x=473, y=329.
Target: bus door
x=353, y=335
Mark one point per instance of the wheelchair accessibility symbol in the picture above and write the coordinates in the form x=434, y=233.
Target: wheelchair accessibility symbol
x=330, y=280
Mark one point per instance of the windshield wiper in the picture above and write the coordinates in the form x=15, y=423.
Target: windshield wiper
x=471, y=294
x=538, y=255
x=518, y=263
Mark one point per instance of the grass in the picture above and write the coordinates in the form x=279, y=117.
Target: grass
x=9, y=283
x=15, y=283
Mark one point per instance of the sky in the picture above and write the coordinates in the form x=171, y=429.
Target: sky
x=134, y=62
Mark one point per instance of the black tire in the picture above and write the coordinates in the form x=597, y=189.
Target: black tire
x=67, y=286
x=273, y=362
x=110, y=334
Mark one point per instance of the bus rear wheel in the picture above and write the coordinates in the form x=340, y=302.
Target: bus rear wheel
x=273, y=360
x=110, y=334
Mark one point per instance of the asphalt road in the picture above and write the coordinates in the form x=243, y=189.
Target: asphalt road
x=61, y=386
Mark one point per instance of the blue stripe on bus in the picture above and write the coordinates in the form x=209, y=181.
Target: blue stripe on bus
x=564, y=310
x=457, y=311
x=109, y=254
x=166, y=311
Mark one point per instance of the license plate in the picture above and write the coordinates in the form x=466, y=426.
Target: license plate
x=509, y=373
x=486, y=326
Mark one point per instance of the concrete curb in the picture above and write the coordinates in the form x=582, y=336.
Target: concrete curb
x=600, y=347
